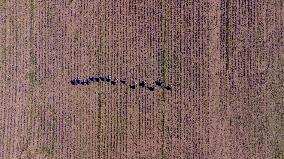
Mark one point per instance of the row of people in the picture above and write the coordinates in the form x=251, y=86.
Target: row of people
x=114, y=81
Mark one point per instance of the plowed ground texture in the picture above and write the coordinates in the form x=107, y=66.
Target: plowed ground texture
x=225, y=59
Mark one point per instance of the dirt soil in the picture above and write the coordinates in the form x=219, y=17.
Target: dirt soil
x=225, y=59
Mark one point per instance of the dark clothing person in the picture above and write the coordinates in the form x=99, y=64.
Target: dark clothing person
x=108, y=78
x=102, y=78
x=169, y=87
x=92, y=79
x=151, y=88
x=159, y=82
x=133, y=85
x=73, y=82
x=97, y=79
x=123, y=81
x=142, y=83
x=113, y=82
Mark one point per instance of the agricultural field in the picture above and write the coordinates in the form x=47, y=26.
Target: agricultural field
x=225, y=59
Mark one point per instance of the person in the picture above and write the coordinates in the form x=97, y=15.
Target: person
x=113, y=82
x=87, y=81
x=108, y=78
x=73, y=82
x=159, y=82
x=169, y=87
x=143, y=83
x=82, y=82
x=123, y=80
x=133, y=85
x=151, y=88
x=102, y=78
x=97, y=79
x=92, y=79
